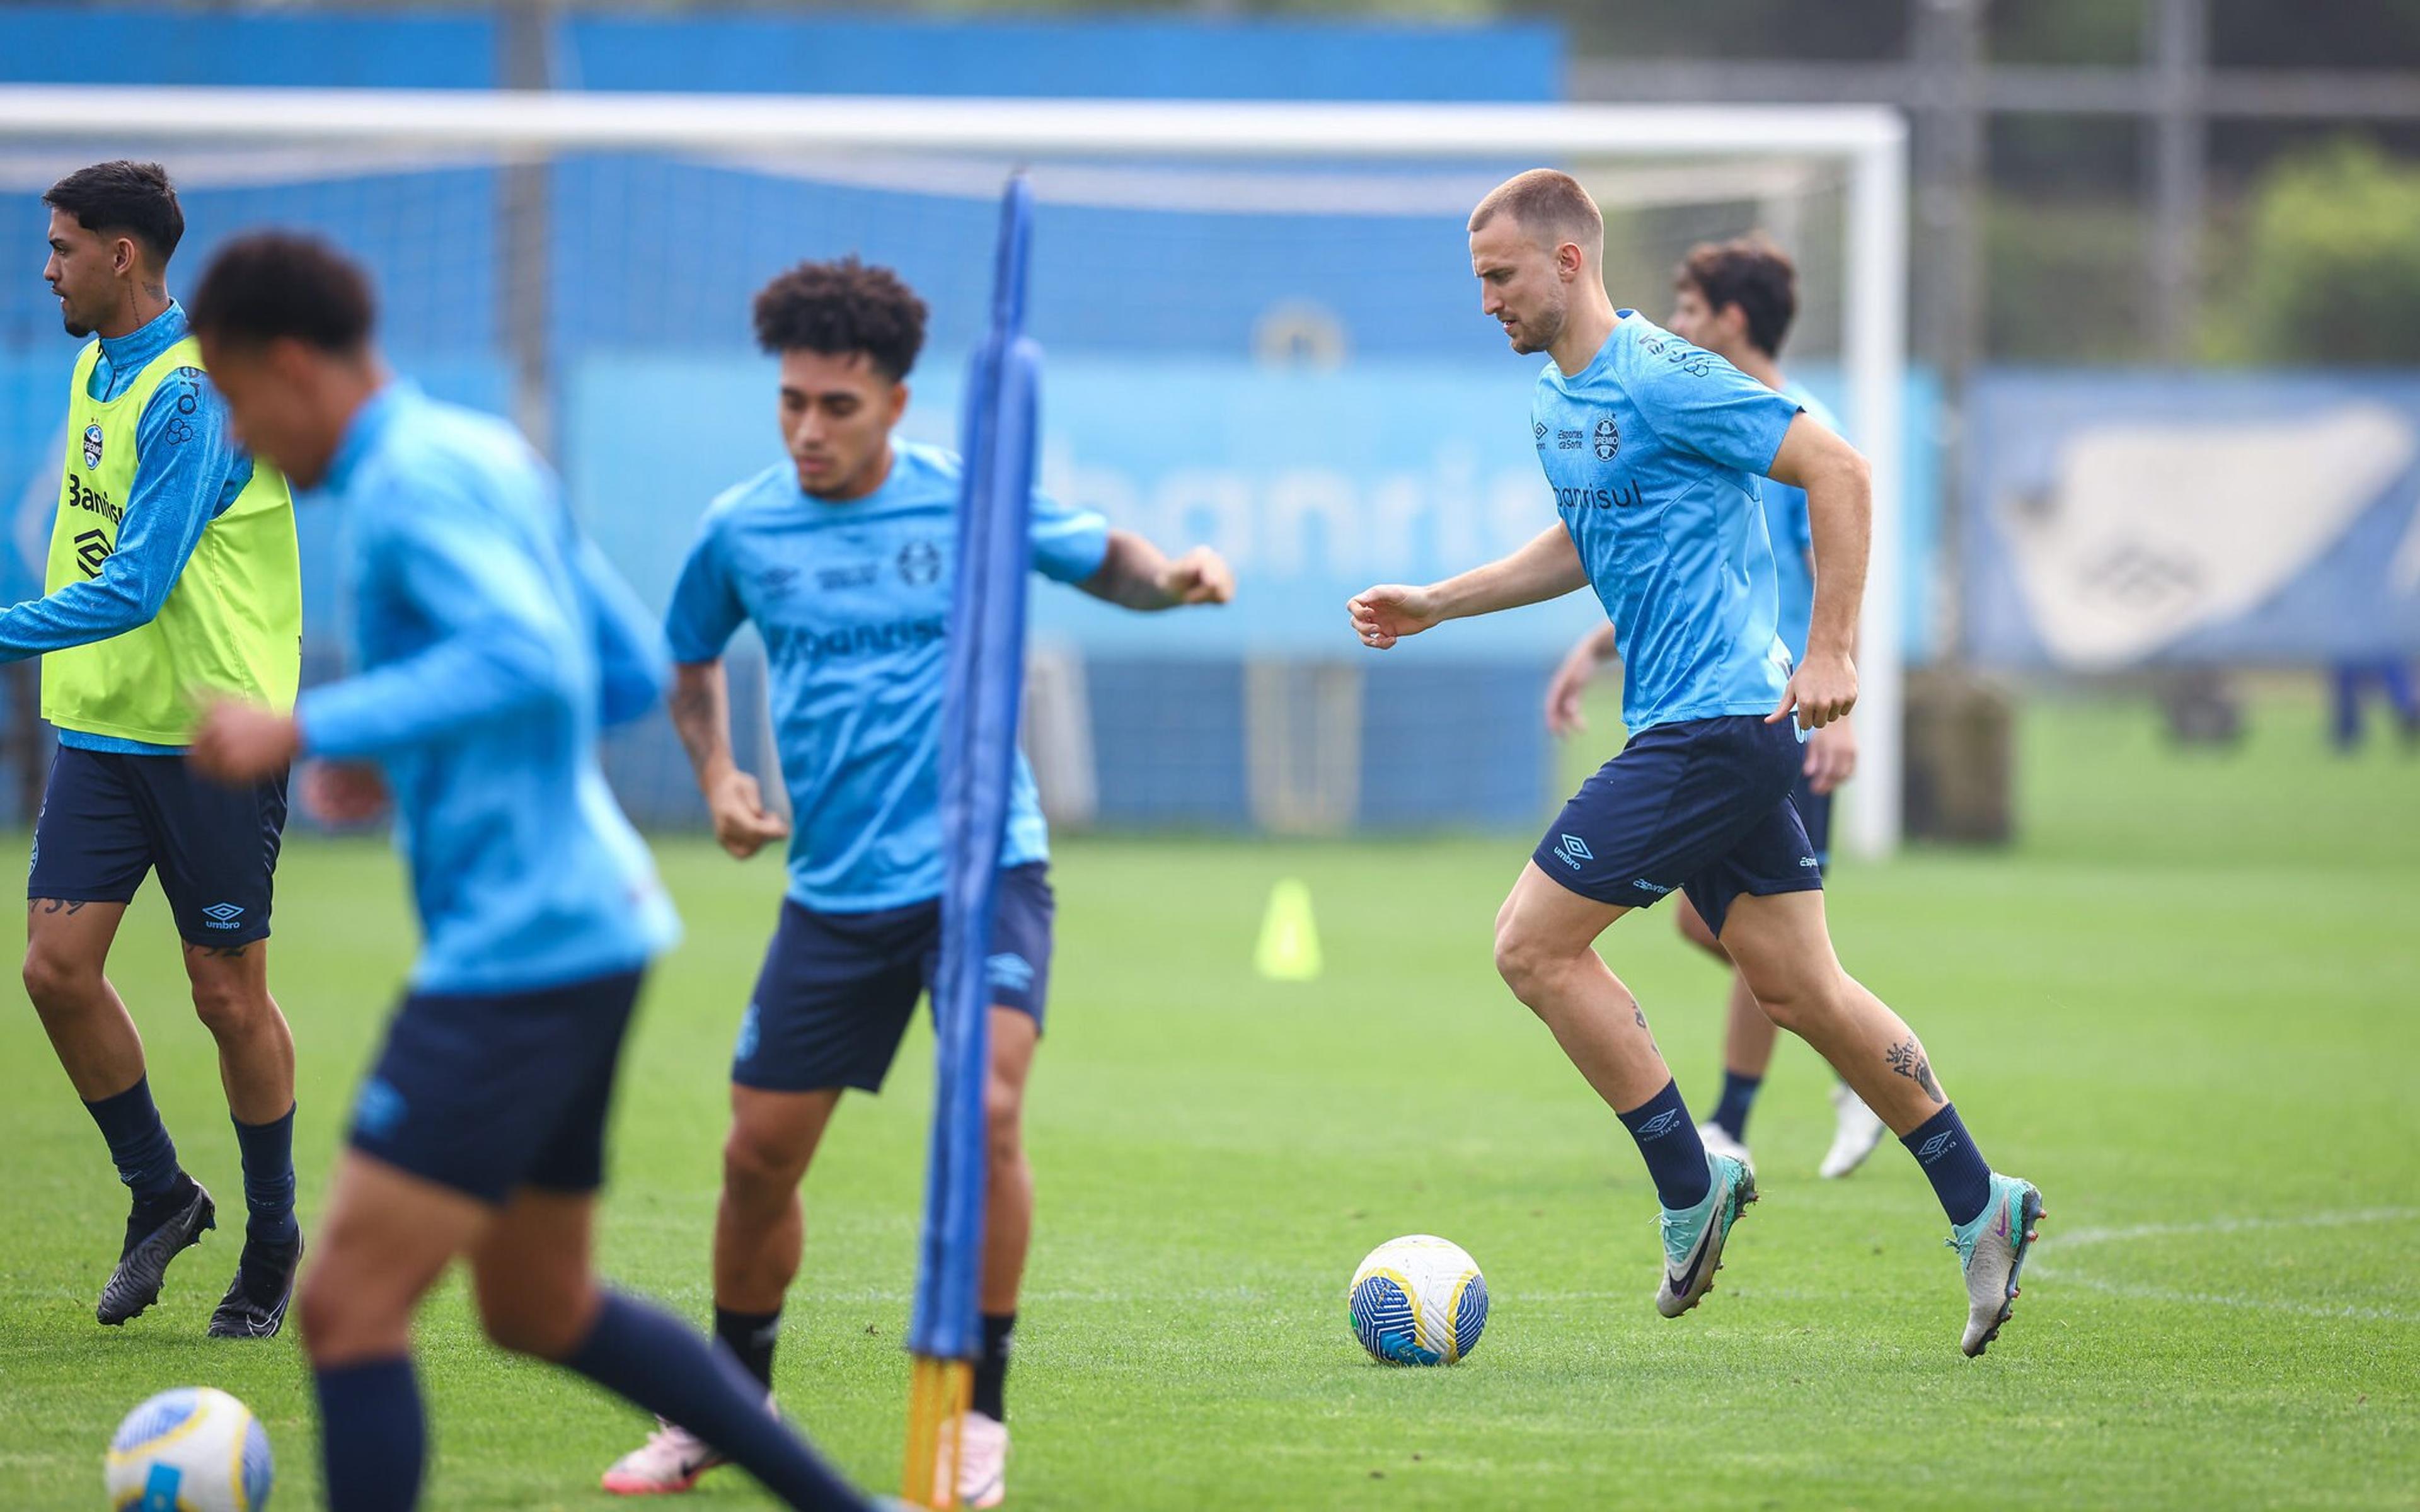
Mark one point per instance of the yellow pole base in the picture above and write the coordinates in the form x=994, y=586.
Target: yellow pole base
x=938, y=1391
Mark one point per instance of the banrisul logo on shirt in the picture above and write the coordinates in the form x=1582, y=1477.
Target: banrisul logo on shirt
x=92, y=445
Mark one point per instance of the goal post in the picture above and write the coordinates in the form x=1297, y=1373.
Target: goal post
x=1203, y=158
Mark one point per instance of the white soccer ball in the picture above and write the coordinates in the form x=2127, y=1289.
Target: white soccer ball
x=193, y=1449
x=1418, y=1300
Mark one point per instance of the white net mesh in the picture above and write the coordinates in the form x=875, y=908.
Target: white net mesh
x=1283, y=358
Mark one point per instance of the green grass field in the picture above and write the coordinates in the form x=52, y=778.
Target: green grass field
x=2185, y=1005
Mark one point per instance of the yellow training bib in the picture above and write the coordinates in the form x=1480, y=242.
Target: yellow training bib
x=234, y=621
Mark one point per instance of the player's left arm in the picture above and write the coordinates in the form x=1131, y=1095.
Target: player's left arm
x=1077, y=546
x=1134, y=574
x=1840, y=516
x=190, y=469
x=496, y=649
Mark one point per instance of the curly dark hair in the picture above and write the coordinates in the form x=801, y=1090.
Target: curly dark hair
x=838, y=308
x=132, y=197
x=273, y=284
x=1753, y=273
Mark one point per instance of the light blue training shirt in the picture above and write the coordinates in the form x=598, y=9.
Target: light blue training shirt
x=853, y=602
x=493, y=643
x=1654, y=450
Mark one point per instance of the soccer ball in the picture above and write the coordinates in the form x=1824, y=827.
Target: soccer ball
x=1418, y=1300
x=193, y=1449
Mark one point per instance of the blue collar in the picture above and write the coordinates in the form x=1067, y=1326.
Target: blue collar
x=135, y=350
x=370, y=423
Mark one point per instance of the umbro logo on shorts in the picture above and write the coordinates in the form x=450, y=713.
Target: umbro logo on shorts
x=1573, y=850
x=1010, y=970
x=223, y=916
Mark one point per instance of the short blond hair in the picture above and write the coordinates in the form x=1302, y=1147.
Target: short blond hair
x=1549, y=205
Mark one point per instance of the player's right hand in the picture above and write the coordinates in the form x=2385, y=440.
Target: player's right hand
x=343, y=792
x=742, y=825
x=1566, y=693
x=1387, y=613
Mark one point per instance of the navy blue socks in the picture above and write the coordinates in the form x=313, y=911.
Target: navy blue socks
x=138, y=1141
x=1958, y=1174
x=1739, y=1095
x=990, y=1395
x=269, y=1181
x=650, y=1359
x=749, y=1337
x=372, y=1436
x=1667, y=1141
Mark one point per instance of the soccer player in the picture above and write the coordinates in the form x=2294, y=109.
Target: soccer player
x=492, y=645
x=173, y=563
x=1653, y=447
x=841, y=555
x=1736, y=300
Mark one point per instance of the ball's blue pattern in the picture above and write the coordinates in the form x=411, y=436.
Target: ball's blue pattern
x=259, y=1469
x=161, y=1414
x=1382, y=1317
x=1469, y=1315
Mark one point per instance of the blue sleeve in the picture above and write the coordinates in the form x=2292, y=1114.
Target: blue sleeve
x=498, y=632
x=705, y=611
x=1069, y=544
x=633, y=667
x=1702, y=404
x=190, y=466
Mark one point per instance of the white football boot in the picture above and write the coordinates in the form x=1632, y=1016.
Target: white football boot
x=1718, y=1141
x=671, y=1460
x=982, y=1461
x=1855, y=1133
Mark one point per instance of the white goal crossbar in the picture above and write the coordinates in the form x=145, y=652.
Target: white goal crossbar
x=1867, y=142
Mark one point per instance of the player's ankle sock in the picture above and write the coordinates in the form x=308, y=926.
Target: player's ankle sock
x=1958, y=1174
x=372, y=1436
x=1731, y=1110
x=749, y=1337
x=269, y=1179
x=991, y=1366
x=138, y=1141
x=1667, y=1141
x=649, y=1358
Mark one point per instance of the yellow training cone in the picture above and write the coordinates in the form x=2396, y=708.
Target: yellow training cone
x=1289, y=947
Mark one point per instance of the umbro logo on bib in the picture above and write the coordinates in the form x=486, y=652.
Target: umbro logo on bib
x=92, y=445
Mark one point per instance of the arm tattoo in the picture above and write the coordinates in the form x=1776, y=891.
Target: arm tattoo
x=1907, y=1058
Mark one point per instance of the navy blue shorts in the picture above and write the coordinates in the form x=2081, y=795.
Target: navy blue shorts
x=485, y=1092
x=836, y=991
x=109, y=819
x=1815, y=813
x=1701, y=806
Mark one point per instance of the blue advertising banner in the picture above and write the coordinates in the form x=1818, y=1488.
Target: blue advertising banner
x=2114, y=520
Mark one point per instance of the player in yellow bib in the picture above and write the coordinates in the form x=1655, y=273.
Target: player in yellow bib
x=173, y=567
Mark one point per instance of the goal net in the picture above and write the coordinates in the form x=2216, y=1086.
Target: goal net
x=1259, y=330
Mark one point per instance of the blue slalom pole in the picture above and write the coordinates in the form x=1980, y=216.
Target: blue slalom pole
x=979, y=720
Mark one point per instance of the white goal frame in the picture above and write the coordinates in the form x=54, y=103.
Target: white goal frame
x=1869, y=142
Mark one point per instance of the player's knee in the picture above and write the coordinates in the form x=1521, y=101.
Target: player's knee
x=335, y=1316
x=1796, y=1001
x=47, y=980
x=1527, y=964
x=543, y=1323
x=759, y=1167
x=1005, y=1121
x=227, y=1010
